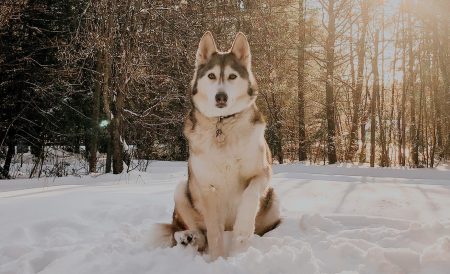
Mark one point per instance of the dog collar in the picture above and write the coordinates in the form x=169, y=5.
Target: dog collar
x=221, y=118
x=220, y=137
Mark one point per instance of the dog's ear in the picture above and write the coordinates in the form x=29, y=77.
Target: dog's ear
x=206, y=48
x=241, y=49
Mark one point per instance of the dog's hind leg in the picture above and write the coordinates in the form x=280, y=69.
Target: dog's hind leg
x=268, y=217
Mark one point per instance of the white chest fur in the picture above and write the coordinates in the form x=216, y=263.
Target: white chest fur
x=222, y=169
x=237, y=157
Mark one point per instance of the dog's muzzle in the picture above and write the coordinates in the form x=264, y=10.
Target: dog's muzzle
x=221, y=99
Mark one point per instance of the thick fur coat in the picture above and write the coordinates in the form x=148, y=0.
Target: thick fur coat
x=229, y=162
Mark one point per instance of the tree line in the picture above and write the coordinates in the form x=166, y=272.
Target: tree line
x=339, y=80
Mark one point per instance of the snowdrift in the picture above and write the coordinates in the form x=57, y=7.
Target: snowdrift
x=337, y=220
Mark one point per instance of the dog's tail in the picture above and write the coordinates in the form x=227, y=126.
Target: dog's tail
x=161, y=235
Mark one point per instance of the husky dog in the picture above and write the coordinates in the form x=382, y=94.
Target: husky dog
x=229, y=167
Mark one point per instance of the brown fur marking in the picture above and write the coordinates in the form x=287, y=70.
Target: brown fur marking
x=266, y=201
x=177, y=222
x=268, y=228
x=192, y=118
x=194, y=88
x=188, y=189
x=189, y=195
x=268, y=154
x=177, y=225
x=224, y=59
x=246, y=182
x=252, y=89
x=257, y=117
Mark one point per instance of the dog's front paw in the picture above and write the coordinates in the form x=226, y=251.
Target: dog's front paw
x=191, y=238
x=240, y=242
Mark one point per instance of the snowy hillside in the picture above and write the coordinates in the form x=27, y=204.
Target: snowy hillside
x=337, y=220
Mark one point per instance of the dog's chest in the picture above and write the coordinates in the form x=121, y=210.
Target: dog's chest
x=227, y=161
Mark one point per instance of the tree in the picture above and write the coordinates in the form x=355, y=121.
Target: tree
x=411, y=88
x=373, y=102
x=32, y=79
x=357, y=90
x=301, y=82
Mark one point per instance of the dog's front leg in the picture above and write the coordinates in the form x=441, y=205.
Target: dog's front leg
x=214, y=227
x=244, y=225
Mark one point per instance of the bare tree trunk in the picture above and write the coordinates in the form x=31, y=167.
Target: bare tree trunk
x=108, y=150
x=445, y=69
x=116, y=125
x=301, y=83
x=422, y=133
x=436, y=95
x=357, y=91
x=42, y=156
x=437, y=98
x=95, y=114
x=384, y=161
x=329, y=86
x=391, y=140
x=411, y=85
x=352, y=58
x=436, y=114
x=106, y=91
x=125, y=46
x=376, y=87
x=278, y=135
x=8, y=159
x=402, y=115
x=280, y=154
x=364, y=117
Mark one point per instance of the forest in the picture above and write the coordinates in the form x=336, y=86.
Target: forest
x=340, y=81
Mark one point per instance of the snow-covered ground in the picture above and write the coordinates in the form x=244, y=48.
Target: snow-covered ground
x=337, y=220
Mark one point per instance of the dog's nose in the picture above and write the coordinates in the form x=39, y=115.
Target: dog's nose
x=221, y=99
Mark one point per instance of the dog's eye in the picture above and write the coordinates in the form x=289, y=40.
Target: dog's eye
x=232, y=76
x=211, y=76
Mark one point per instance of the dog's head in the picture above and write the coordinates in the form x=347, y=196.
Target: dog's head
x=223, y=82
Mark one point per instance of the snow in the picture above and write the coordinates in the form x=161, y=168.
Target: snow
x=337, y=219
